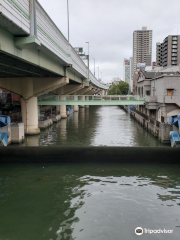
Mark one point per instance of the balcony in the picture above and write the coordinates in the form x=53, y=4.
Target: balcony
x=170, y=99
x=151, y=99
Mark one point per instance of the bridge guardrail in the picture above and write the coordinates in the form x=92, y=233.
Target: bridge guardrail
x=52, y=38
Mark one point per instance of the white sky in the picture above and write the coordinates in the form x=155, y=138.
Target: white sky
x=108, y=26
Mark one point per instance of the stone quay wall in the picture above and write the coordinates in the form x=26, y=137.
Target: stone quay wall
x=162, y=132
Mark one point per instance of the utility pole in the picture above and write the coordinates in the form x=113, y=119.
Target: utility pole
x=94, y=66
x=68, y=18
x=88, y=59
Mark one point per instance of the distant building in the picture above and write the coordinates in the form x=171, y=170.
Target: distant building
x=142, y=47
x=127, y=70
x=168, y=52
x=116, y=81
x=131, y=74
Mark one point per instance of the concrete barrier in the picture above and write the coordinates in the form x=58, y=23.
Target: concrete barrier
x=90, y=154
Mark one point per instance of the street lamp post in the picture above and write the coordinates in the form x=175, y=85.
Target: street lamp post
x=68, y=18
x=101, y=76
x=88, y=59
x=98, y=73
x=94, y=66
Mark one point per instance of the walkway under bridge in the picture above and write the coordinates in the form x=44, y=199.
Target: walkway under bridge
x=91, y=100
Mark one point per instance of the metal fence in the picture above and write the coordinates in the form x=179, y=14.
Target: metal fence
x=152, y=120
x=91, y=98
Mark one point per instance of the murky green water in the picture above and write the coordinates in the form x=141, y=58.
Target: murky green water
x=96, y=126
x=88, y=201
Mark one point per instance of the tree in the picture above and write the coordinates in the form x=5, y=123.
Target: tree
x=121, y=88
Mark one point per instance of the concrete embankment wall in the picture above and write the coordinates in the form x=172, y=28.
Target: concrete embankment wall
x=90, y=154
x=162, y=132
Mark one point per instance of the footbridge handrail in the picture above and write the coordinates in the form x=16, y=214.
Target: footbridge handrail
x=89, y=98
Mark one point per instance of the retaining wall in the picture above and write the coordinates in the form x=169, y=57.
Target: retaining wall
x=162, y=132
x=90, y=154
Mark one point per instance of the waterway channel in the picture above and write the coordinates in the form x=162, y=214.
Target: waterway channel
x=96, y=126
x=67, y=201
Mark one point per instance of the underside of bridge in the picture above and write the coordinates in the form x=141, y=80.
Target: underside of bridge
x=13, y=67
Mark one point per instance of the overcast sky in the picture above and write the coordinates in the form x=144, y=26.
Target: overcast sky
x=108, y=26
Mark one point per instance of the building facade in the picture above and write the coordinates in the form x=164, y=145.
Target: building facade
x=142, y=47
x=168, y=52
x=127, y=70
x=162, y=90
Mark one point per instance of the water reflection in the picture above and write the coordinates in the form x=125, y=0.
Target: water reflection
x=96, y=126
x=32, y=141
x=63, y=129
x=82, y=115
x=89, y=201
x=87, y=114
x=76, y=119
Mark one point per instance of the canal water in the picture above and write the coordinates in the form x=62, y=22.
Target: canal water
x=85, y=201
x=89, y=201
x=96, y=126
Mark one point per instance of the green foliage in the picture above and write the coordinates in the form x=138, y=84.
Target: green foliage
x=121, y=88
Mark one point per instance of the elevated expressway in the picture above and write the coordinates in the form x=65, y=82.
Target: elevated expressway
x=35, y=58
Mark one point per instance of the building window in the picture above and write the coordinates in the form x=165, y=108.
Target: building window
x=148, y=93
x=169, y=92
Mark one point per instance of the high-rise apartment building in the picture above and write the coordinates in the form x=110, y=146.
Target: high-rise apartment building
x=168, y=52
x=126, y=70
x=142, y=47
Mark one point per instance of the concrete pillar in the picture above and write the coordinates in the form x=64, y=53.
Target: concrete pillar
x=81, y=106
x=102, y=92
x=29, y=108
x=76, y=108
x=63, y=108
x=87, y=98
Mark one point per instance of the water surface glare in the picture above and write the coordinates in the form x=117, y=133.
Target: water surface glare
x=88, y=201
x=96, y=126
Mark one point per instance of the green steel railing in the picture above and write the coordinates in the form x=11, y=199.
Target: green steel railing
x=88, y=98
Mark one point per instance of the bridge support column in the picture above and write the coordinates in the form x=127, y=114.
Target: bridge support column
x=87, y=98
x=76, y=108
x=63, y=108
x=81, y=106
x=29, y=112
x=102, y=92
x=29, y=108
